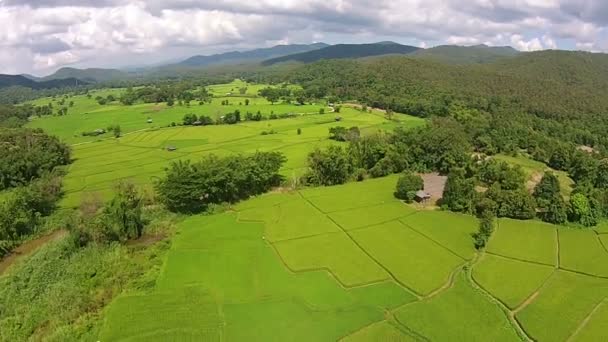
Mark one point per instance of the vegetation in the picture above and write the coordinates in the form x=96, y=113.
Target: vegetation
x=407, y=186
x=192, y=187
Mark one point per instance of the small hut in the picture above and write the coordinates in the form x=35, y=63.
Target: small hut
x=149, y=120
x=171, y=148
x=422, y=196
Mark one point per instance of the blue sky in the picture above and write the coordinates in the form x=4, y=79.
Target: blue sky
x=40, y=36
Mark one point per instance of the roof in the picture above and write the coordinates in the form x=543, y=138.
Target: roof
x=422, y=194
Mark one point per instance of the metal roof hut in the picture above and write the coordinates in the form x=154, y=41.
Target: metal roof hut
x=422, y=196
x=171, y=148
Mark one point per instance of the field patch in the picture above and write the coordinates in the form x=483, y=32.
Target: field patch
x=562, y=306
x=381, y=331
x=352, y=195
x=190, y=314
x=525, y=240
x=511, y=281
x=334, y=252
x=291, y=219
x=597, y=325
x=461, y=313
x=413, y=259
x=368, y=216
x=582, y=251
x=451, y=230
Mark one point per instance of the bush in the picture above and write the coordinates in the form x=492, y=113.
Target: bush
x=486, y=227
x=407, y=186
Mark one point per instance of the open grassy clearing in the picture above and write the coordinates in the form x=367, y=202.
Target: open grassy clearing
x=451, y=230
x=525, y=240
x=582, y=251
x=239, y=275
x=602, y=228
x=534, y=171
x=411, y=258
x=562, y=306
x=511, y=281
x=461, y=313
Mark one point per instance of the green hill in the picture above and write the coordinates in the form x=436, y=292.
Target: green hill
x=478, y=54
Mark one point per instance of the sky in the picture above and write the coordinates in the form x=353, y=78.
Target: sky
x=40, y=36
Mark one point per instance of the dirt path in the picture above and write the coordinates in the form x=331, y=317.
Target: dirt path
x=28, y=248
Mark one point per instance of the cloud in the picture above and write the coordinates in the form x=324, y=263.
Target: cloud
x=43, y=35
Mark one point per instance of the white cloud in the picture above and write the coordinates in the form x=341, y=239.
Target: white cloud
x=46, y=34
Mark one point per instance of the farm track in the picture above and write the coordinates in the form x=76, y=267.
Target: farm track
x=586, y=320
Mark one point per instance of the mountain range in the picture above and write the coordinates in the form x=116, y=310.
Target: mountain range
x=294, y=53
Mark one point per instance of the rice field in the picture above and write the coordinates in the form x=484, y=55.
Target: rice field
x=299, y=266
x=346, y=262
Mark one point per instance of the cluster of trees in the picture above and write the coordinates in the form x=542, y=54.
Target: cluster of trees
x=440, y=146
x=194, y=120
x=340, y=133
x=192, y=187
x=27, y=154
x=23, y=209
x=180, y=92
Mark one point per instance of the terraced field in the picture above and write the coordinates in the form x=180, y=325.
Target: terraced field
x=342, y=262
x=141, y=156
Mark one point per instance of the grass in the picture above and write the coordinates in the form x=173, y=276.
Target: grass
x=412, y=259
x=582, y=251
x=334, y=252
x=562, y=305
x=449, y=229
x=602, y=227
x=459, y=314
x=526, y=240
x=509, y=280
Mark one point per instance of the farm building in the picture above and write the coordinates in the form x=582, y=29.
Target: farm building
x=171, y=148
x=422, y=196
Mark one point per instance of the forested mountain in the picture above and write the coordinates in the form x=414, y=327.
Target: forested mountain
x=556, y=94
x=345, y=51
x=249, y=56
x=92, y=75
x=477, y=54
x=22, y=81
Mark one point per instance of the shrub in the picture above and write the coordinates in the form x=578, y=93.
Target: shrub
x=407, y=186
x=486, y=227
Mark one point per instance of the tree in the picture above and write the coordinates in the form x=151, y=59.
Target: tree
x=486, y=227
x=122, y=216
x=190, y=119
x=407, y=186
x=547, y=189
x=459, y=192
x=329, y=167
x=581, y=210
x=246, y=102
x=555, y=211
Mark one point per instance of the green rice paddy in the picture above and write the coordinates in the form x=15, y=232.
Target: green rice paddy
x=346, y=262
